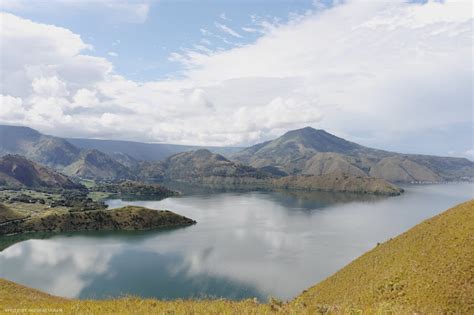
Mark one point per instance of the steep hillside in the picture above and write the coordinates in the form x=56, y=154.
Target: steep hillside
x=400, y=169
x=330, y=163
x=427, y=270
x=200, y=166
x=338, y=183
x=316, y=152
x=94, y=164
x=291, y=151
x=47, y=150
x=17, y=171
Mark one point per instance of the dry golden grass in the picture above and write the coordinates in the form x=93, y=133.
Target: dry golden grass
x=7, y=214
x=428, y=269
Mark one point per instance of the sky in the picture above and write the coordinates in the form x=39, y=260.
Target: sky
x=394, y=75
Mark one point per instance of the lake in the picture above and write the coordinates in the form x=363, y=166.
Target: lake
x=246, y=244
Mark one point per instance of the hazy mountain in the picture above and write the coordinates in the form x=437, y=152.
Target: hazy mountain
x=125, y=159
x=47, y=150
x=304, y=151
x=198, y=166
x=144, y=151
x=17, y=171
x=94, y=164
x=315, y=152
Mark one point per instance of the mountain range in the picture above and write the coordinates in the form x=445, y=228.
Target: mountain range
x=305, y=151
x=144, y=151
x=309, y=151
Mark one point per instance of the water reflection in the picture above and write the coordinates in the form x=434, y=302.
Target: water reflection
x=245, y=244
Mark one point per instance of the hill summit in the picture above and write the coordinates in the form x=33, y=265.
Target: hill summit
x=310, y=151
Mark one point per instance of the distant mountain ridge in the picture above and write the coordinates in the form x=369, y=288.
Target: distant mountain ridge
x=316, y=152
x=144, y=151
x=305, y=151
x=17, y=171
x=47, y=150
x=200, y=166
x=92, y=164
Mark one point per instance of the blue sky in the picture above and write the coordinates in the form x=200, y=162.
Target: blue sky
x=143, y=46
x=394, y=75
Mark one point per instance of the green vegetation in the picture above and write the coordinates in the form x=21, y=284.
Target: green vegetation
x=129, y=187
x=7, y=214
x=126, y=218
x=428, y=269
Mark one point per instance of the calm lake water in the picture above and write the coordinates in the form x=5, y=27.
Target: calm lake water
x=246, y=244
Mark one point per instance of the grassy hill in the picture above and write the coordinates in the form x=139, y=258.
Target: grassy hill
x=428, y=269
x=94, y=164
x=7, y=214
x=317, y=152
x=338, y=183
x=17, y=171
x=47, y=150
x=125, y=218
x=201, y=166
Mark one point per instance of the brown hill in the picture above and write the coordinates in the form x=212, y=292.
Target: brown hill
x=338, y=183
x=94, y=164
x=316, y=152
x=17, y=171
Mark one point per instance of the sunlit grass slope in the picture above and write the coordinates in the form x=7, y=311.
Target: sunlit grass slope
x=428, y=270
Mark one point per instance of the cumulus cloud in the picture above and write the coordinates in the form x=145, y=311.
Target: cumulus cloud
x=380, y=72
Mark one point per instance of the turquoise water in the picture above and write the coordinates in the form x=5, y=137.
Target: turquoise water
x=246, y=244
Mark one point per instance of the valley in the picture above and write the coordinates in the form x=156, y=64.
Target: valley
x=305, y=190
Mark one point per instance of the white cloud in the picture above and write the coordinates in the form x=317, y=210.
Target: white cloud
x=470, y=153
x=112, y=54
x=249, y=29
x=49, y=87
x=383, y=72
x=224, y=28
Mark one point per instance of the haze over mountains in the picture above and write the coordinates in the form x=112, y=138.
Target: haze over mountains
x=144, y=151
x=304, y=151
